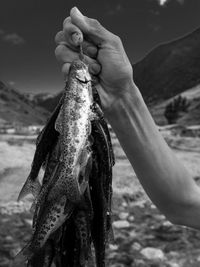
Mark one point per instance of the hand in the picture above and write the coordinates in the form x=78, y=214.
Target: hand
x=103, y=52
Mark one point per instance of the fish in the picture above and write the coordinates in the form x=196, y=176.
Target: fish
x=72, y=205
x=44, y=145
x=101, y=194
x=74, y=126
x=64, y=188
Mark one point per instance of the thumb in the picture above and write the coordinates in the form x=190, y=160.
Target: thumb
x=90, y=27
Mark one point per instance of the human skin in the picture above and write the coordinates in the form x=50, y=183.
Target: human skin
x=165, y=179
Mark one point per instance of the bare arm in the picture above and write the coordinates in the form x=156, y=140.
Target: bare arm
x=164, y=178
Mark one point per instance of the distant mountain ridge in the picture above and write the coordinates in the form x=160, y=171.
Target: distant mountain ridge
x=47, y=101
x=17, y=109
x=166, y=71
x=170, y=68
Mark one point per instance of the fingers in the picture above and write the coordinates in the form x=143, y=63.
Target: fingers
x=93, y=30
x=89, y=49
x=66, y=55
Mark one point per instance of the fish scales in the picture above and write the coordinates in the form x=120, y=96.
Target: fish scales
x=77, y=180
x=73, y=125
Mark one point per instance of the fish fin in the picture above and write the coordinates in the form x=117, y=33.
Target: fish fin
x=96, y=108
x=59, y=121
x=25, y=254
x=110, y=236
x=50, y=122
x=33, y=205
x=30, y=187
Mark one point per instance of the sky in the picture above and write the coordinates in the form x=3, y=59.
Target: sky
x=28, y=27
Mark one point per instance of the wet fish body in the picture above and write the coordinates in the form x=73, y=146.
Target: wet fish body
x=63, y=190
x=44, y=146
x=73, y=124
x=75, y=198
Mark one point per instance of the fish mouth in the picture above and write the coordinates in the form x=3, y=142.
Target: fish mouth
x=83, y=76
x=82, y=81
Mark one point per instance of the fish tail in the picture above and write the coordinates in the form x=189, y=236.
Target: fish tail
x=25, y=254
x=30, y=187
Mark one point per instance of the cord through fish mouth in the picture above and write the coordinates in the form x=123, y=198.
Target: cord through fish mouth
x=83, y=81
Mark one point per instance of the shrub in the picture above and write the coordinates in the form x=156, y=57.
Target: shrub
x=175, y=108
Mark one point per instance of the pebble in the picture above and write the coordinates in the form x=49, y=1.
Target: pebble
x=159, y=217
x=174, y=254
x=151, y=253
x=133, y=234
x=167, y=224
x=131, y=218
x=121, y=224
x=198, y=258
x=14, y=207
x=112, y=255
x=113, y=247
x=9, y=238
x=124, y=204
x=172, y=264
x=136, y=246
x=123, y=215
x=138, y=263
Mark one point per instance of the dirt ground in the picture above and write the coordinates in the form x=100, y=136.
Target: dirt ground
x=143, y=236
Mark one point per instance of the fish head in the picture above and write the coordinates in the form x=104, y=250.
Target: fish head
x=79, y=71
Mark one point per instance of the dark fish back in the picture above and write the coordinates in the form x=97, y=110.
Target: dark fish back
x=45, y=142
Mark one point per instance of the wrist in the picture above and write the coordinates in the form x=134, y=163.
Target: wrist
x=130, y=96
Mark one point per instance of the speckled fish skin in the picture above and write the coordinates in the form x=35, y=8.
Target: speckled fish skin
x=74, y=126
x=53, y=217
x=51, y=169
x=44, y=257
x=64, y=190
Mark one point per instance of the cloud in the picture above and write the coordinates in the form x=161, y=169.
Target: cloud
x=115, y=10
x=11, y=38
x=154, y=27
x=11, y=83
x=163, y=2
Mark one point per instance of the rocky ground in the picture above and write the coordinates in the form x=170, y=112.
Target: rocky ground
x=143, y=236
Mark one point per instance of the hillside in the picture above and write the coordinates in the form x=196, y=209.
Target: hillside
x=170, y=68
x=47, y=101
x=192, y=117
x=16, y=109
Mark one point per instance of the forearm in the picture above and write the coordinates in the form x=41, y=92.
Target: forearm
x=164, y=178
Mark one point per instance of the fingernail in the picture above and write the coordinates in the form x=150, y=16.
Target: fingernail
x=77, y=11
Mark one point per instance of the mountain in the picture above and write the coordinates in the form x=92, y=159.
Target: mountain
x=170, y=68
x=47, y=101
x=15, y=108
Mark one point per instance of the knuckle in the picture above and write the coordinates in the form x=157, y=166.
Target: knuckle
x=95, y=23
x=66, y=22
x=59, y=37
x=59, y=51
x=117, y=39
x=65, y=68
